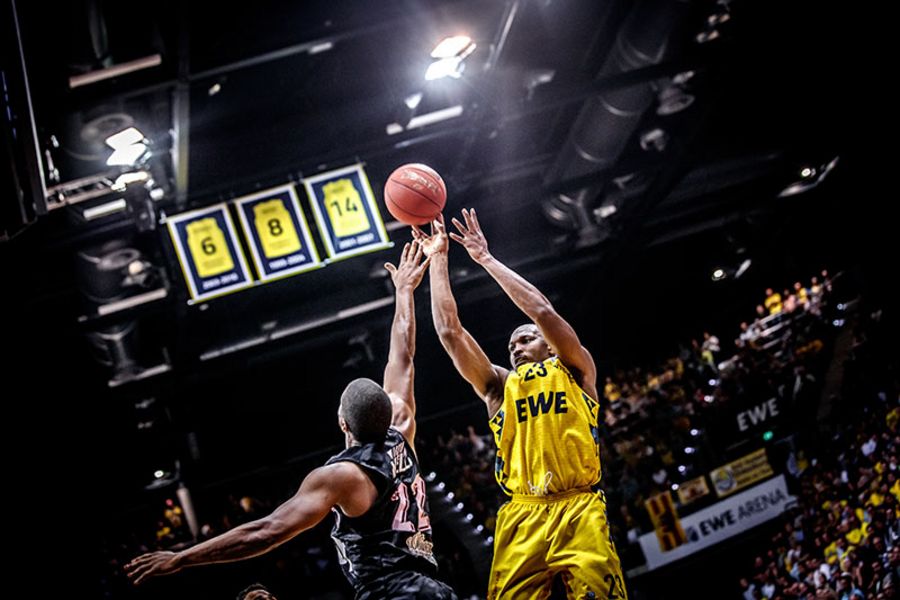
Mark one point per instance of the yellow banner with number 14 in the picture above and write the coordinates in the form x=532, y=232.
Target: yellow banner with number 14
x=345, y=208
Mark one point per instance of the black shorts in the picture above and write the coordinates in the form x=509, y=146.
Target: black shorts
x=406, y=585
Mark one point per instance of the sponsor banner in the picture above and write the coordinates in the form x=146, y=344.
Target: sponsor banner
x=721, y=521
x=662, y=512
x=740, y=473
x=760, y=416
x=692, y=489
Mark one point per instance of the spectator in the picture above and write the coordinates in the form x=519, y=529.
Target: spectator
x=773, y=302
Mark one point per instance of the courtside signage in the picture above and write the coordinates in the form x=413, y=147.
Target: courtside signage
x=721, y=521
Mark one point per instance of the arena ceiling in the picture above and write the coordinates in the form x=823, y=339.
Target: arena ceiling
x=592, y=137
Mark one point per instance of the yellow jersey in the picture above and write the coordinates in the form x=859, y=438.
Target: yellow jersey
x=773, y=303
x=546, y=431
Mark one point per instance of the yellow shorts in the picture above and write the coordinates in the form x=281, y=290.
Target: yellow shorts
x=567, y=534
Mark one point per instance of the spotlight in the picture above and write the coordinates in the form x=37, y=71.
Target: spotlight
x=449, y=56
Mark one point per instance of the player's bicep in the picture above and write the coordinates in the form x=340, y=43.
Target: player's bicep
x=399, y=384
x=399, y=373
x=472, y=362
x=565, y=343
x=318, y=493
x=403, y=416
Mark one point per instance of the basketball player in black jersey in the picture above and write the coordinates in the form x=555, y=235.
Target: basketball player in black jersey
x=382, y=529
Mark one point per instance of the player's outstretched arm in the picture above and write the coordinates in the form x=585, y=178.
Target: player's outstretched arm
x=468, y=357
x=322, y=489
x=399, y=374
x=556, y=330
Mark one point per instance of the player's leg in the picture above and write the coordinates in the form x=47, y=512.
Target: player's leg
x=582, y=550
x=518, y=570
x=408, y=585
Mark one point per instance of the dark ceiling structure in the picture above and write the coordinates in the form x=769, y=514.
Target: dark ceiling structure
x=593, y=138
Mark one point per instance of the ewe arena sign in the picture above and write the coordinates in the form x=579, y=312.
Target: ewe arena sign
x=722, y=520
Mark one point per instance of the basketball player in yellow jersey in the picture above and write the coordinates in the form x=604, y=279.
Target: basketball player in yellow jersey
x=544, y=416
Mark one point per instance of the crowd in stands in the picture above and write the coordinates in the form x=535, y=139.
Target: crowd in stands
x=466, y=463
x=677, y=423
x=843, y=539
x=775, y=307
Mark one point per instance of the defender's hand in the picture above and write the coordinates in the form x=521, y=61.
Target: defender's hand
x=437, y=242
x=151, y=565
x=412, y=268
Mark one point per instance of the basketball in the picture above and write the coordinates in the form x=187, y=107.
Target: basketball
x=415, y=194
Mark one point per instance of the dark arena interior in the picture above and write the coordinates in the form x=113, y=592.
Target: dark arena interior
x=697, y=186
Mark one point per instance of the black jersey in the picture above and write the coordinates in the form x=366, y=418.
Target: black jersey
x=395, y=533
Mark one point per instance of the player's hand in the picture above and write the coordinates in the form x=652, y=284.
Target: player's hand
x=437, y=242
x=471, y=236
x=412, y=268
x=151, y=565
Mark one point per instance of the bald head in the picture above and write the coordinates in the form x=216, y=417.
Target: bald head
x=527, y=327
x=366, y=408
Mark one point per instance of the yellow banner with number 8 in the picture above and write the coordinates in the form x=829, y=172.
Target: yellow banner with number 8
x=275, y=228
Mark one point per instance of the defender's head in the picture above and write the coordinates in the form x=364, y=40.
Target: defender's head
x=365, y=411
x=255, y=591
x=527, y=344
